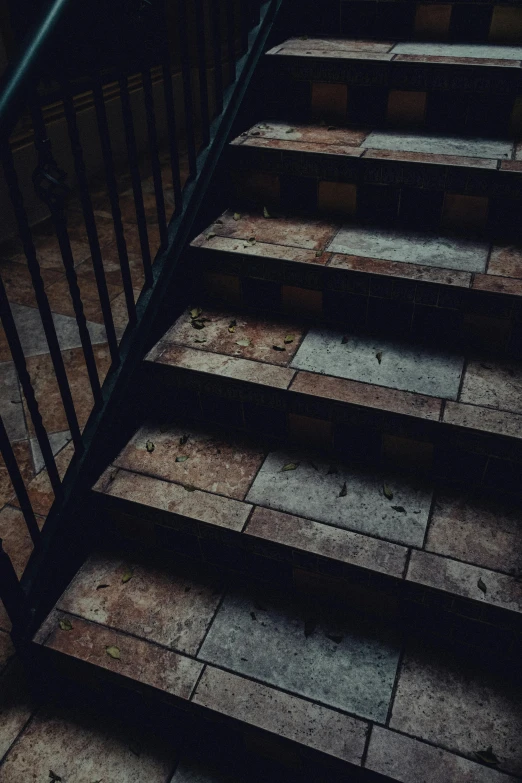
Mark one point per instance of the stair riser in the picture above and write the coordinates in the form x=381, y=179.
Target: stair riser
x=388, y=192
x=478, y=101
x=432, y=313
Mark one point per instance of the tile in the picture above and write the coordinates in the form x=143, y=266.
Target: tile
x=401, y=365
x=506, y=260
x=15, y=537
x=411, y=248
x=223, y=288
x=15, y=710
x=399, y=270
x=433, y=159
x=49, y=255
x=57, y=441
x=479, y=529
x=498, y=285
x=451, y=576
x=432, y=20
x=339, y=545
x=329, y=99
x=283, y=715
x=337, y=197
x=224, y=466
x=355, y=674
x=493, y=383
x=174, y=498
x=441, y=145
x=459, y=706
x=409, y=761
x=154, y=604
x=141, y=661
x=336, y=45
x=222, y=366
x=295, y=299
x=313, y=491
x=120, y=313
x=406, y=107
x=469, y=212
x=262, y=335
x=22, y=452
x=506, y=24
x=315, y=134
x=474, y=51
x=306, y=233
x=11, y=408
x=18, y=284
x=483, y=419
x=39, y=488
x=363, y=394
x=260, y=250
x=84, y=745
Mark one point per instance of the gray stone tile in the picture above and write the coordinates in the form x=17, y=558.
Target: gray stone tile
x=11, y=408
x=311, y=491
x=57, y=440
x=32, y=336
x=459, y=50
x=438, y=145
x=402, y=366
x=411, y=248
x=355, y=673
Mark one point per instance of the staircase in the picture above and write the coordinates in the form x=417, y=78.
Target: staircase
x=314, y=538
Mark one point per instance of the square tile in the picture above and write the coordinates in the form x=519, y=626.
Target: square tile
x=406, y=107
x=464, y=212
x=475, y=51
x=495, y=384
x=301, y=300
x=337, y=197
x=383, y=362
x=438, y=145
x=329, y=99
x=316, y=489
x=432, y=20
x=271, y=645
x=506, y=24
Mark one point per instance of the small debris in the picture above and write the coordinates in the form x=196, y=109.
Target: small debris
x=482, y=586
x=290, y=130
x=253, y=615
x=189, y=487
x=237, y=216
x=400, y=509
x=102, y=587
x=181, y=458
x=65, y=625
x=386, y=491
x=211, y=235
x=113, y=652
x=344, y=491
x=243, y=343
x=232, y=326
x=266, y=213
x=127, y=575
x=150, y=446
x=198, y=323
x=135, y=749
x=279, y=348
x=309, y=627
x=218, y=222
x=54, y=777
x=290, y=466
x=331, y=127
x=195, y=312
x=378, y=356
x=488, y=757
x=200, y=340
x=183, y=439
x=318, y=253
x=289, y=339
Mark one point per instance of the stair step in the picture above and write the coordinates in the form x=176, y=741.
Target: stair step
x=468, y=87
x=370, y=399
x=286, y=667
x=432, y=286
x=425, y=181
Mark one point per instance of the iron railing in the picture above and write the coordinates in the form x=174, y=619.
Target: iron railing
x=212, y=47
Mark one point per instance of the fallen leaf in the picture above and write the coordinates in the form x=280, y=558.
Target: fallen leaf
x=290, y=130
x=266, y=213
x=218, y=222
x=386, y=491
x=232, y=326
x=279, y=348
x=290, y=466
x=488, y=757
x=237, y=216
x=200, y=340
x=198, y=324
x=289, y=339
x=150, y=446
x=127, y=575
x=482, y=586
x=318, y=253
x=181, y=458
x=53, y=776
x=253, y=615
x=113, y=652
x=195, y=312
x=244, y=343
x=210, y=236
x=183, y=439
x=378, y=356
x=401, y=509
x=344, y=491
x=102, y=587
x=309, y=627
x=189, y=487
x=65, y=625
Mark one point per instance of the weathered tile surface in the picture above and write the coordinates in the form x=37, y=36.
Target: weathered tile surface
x=336, y=45
x=310, y=133
x=307, y=233
x=439, y=145
x=32, y=336
x=261, y=249
x=472, y=50
x=400, y=270
x=271, y=644
x=495, y=383
x=226, y=466
x=15, y=709
x=483, y=419
x=154, y=604
x=311, y=491
x=11, y=408
x=411, y=248
x=57, y=441
x=381, y=361
x=282, y=714
x=40, y=489
x=506, y=260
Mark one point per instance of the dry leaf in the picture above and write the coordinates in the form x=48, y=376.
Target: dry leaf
x=189, y=487
x=127, y=575
x=488, y=757
x=150, y=446
x=195, y=312
x=54, y=777
x=183, y=439
x=65, y=625
x=237, y=216
x=113, y=652
x=386, y=490
x=181, y=459
x=344, y=491
x=290, y=466
x=200, y=340
x=289, y=338
x=102, y=587
x=279, y=348
x=197, y=323
x=378, y=356
x=244, y=343
x=266, y=213
x=232, y=326
x=401, y=509
x=482, y=586
x=290, y=130
x=210, y=236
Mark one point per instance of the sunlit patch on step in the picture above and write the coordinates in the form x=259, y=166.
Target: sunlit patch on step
x=480, y=51
x=344, y=497
x=439, y=145
x=380, y=361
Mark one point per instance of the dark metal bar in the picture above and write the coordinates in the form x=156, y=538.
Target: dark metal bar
x=17, y=353
x=154, y=151
x=11, y=593
x=216, y=45
x=202, y=70
x=173, y=136
x=55, y=200
x=90, y=222
x=110, y=178
x=41, y=297
x=231, y=40
x=246, y=19
x=18, y=484
x=187, y=87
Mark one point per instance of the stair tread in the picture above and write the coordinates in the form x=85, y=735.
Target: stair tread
x=500, y=55
x=286, y=665
x=442, y=538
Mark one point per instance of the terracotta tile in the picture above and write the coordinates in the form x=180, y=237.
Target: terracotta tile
x=337, y=45
x=301, y=300
x=22, y=452
x=433, y=158
x=432, y=20
x=498, y=285
x=407, y=452
x=174, y=499
x=403, y=270
x=326, y=54
x=315, y=134
x=406, y=107
x=463, y=579
x=262, y=336
x=61, y=302
x=356, y=393
x=78, y=232
x=478, y=529
x=223, y=288
x=16, y=539
x=84, y=745
x=300, y=232
x=120, y=313
x=464, y=211
x=281, y=714
x=18, y=283
x=314, y=433
x=483, y=419
x=478, y=61
x=506, y=24
x=224, y=466
x=339, y=545
x=303, y=147
x=140, y=661
x=495, y=384
x=154, y=604
x=337, y=197
x=410, y=761
x=329, y=99
x=40, y=490
x=48, y=252
x=259, y=186
x=511, y=165
x=459, y=707
x=259, y=250
x=7, y=649
x=489, y=332
x=15, y=710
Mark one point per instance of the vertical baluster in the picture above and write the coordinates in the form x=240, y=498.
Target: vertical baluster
x=231, y=40
x=11, y=593
x=187, y=87
x=173, y=136
x=110, y=178
x=17, y=353
x=202, y=70
x=18, y=484
x=154, y=152
x=246, y=22
x=90, y=222
x=41, y=297
x=54, y=198
x=216, y=46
